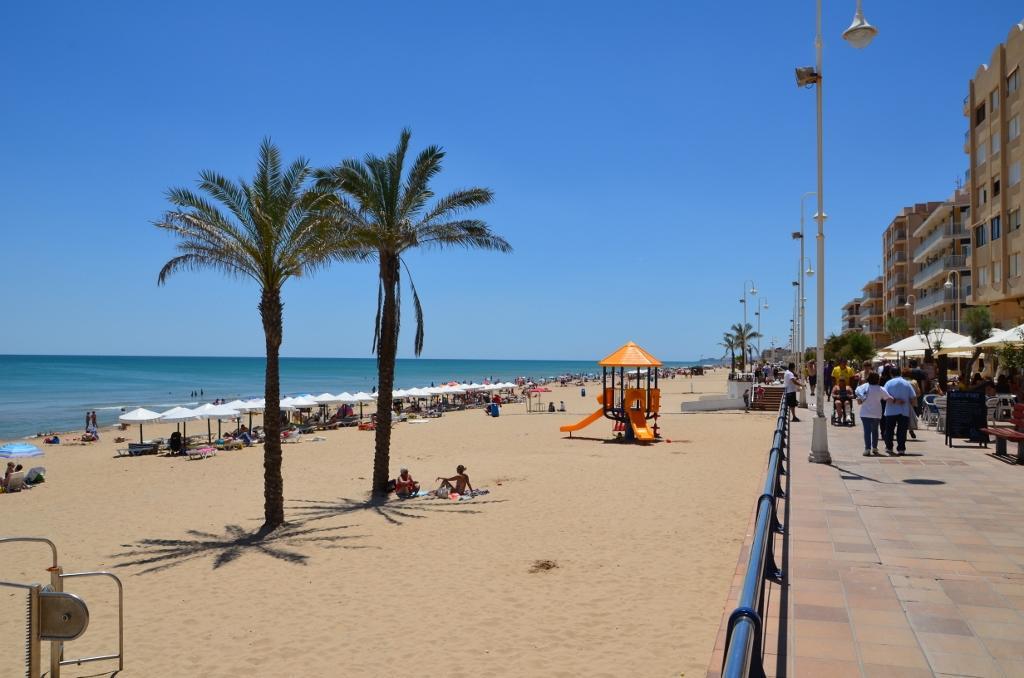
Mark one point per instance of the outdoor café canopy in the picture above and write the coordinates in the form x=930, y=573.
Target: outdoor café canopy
x=1014, y=335
x=630, y=355
x=918, y=343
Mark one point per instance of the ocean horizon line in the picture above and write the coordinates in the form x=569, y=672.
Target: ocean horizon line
x=326, y=357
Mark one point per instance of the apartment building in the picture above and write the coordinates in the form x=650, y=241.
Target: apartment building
x=994, y=110
x=872, y=311
x=943, y=254
x=898, y=268
x=851, y=316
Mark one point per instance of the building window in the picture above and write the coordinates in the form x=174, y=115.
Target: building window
x=996, y=228
x=1014, y=219
x=993, y=100
x=1013, y=81
x=997, y=272
x=979, y=114
x=1014, y=127
x=1015, y=173
x=1013, y=270
x=995, y=187
x=995, y=144
x=980, y=153
x=979, y=236
x=983, y=275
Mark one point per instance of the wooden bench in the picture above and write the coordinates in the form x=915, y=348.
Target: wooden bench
x=1002, y=435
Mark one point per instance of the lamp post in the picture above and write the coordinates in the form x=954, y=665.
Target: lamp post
x=743, y=300
x=801, y=311
x=859, y=34
x=910, y=311
x=948, y=285
x=760, y=307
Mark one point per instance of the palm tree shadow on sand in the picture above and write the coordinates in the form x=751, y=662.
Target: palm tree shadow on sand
x=308, y=510
x=282, y=544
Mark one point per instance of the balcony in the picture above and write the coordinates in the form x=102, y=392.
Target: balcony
x=935, y=299
x=939, y=235
x=895, y=302
x=897, y=257
x=894, y=280
x=952, y=262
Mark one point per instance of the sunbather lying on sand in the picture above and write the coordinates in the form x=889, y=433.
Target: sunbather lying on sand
x=460, y=479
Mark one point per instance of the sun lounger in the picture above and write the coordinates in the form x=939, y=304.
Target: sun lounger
x=202, y=452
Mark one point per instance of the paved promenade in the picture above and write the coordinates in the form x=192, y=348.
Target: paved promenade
x=898, y=566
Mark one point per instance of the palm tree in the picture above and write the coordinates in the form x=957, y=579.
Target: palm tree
x=744, y=335
x=275, y=228
x=897, y=327
x=729, y=344
x=387, y=215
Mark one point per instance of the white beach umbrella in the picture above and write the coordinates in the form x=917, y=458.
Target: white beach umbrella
x=240, y=405
x=304, y=403
x=327, y=399
x=398, y=394
x=346, y=397
x=139, y=416
x=210, y=412
x=287, y=404
x=180, y=415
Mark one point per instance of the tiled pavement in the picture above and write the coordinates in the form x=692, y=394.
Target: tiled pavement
x=907, y=566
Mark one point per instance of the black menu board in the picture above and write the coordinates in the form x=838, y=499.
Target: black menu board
x=965, y=415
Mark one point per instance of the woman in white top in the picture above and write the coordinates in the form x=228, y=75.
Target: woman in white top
x=870, y=397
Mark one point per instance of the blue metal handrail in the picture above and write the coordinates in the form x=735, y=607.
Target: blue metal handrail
x=743, y=635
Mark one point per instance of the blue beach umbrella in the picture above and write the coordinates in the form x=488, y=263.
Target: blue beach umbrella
x=19, y=450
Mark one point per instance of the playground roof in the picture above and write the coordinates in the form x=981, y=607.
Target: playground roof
x=630, y=355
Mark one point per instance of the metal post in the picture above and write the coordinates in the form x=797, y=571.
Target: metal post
x=801, y=302
x=819, y=433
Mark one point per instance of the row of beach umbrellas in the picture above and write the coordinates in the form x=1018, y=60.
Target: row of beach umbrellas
x=235, y=408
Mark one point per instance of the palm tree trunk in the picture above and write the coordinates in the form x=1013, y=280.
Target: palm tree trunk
x=387, y=348
x=271, y=311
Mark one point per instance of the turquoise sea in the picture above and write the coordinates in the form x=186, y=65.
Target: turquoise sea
x=44, y=393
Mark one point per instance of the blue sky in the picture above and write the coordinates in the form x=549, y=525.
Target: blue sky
x=647, y=158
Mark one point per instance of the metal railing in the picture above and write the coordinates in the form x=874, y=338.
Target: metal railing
x=743, y=651
x=949, y=262
x=948, y=230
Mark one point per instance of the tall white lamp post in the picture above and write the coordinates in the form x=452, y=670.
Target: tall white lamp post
x=910, y=311
x=743, y=300
x=859, y=34
x=762, y=305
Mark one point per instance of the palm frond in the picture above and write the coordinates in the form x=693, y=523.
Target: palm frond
x=468, y=233
x=458, y=202
x=418, y=342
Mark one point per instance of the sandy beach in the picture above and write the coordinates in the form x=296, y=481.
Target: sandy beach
x=643, y=539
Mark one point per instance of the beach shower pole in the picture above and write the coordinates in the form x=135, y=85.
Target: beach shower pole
x=859, y=34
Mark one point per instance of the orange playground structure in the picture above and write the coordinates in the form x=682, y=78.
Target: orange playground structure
x=629, y=398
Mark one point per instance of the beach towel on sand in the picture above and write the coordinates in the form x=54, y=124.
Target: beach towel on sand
x=433, y=494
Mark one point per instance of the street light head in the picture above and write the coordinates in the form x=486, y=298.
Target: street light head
x=806, y=76
x=765, y=305
x=860, y=33
x=809, y=272
x=948, y=284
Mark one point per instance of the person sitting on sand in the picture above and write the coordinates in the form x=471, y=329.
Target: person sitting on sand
x=52, y=440
x=405, y=486
x=7, y=474
x=460, y=479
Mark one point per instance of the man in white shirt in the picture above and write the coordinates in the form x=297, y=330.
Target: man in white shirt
x=791, y=384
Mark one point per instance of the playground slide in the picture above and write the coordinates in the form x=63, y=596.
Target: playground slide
x=582, y=424
x=639, y=423
x=569, y=428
